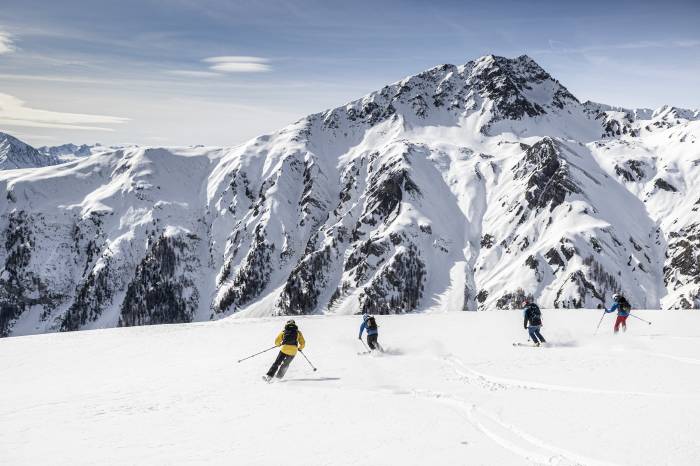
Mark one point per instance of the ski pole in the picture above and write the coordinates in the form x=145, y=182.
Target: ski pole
x=600, y=322
x=307, y=360
x=261, y=352
x=632, y=315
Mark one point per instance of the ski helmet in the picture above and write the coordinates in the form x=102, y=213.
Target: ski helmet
x=291, y=322
x=365, y=317
x=617, y=296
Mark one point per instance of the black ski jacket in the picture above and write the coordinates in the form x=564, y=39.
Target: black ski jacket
x=533, y=316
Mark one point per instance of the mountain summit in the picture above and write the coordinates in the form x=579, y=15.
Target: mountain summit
x=465, y=187
x=491, y=89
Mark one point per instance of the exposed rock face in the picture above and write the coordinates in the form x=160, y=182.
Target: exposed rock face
x=682, y=269
x=468, y=187
x=547, y=173
x=631, y=170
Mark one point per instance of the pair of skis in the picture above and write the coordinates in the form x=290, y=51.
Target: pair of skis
x=362, y=353
x=531, y=345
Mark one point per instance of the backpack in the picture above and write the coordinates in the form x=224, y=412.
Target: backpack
x=624, y=304
x=534, y=314
x=290, y=335
x=371, y=324
x=533, y=310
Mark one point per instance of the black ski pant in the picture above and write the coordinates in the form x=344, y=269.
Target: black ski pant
x=534, y=331
x=373, y=343
x=280, y=366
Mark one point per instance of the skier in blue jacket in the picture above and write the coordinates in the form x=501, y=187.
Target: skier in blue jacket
x=370, y=324
x=623, y=308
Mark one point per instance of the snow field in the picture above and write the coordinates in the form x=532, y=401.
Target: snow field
x=450, y=390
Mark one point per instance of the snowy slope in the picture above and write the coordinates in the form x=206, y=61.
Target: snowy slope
x=461, y=188
x=16, y=154
x=108, y=228
x=451, y=390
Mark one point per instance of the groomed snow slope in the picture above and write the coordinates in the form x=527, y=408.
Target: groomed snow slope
x=451, y=390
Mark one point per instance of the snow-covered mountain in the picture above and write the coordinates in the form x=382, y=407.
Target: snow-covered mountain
x=70, y=152
x=461, y=188
x=16, y=154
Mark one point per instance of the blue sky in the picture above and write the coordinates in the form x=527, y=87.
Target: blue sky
x=219, y=72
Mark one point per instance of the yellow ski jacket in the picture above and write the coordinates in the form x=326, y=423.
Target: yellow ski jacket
x=290, y=350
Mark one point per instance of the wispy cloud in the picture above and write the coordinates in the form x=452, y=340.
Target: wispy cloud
x=238, y=64
x=558, y=47
x=686, y=43
x=7, y=45
x=14, y=112
x=225, y=64
x=193, y=73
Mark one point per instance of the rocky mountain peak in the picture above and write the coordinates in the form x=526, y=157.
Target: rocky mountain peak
x=499, y=88
x=519, y=87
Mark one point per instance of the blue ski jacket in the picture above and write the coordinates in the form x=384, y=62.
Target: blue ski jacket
x=370, y=331
x=621, y=312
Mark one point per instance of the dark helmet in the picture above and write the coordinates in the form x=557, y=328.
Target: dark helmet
x=291, y=322
x=365, y=317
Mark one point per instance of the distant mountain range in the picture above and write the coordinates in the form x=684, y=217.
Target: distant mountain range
x=464, y=187
x=68, y=152
x=16, y=154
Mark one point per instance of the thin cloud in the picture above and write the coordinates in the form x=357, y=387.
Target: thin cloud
x=557, y=47
x=235, y=59
x=238, y=64
x=241, y=67
x=193, y=73
x=14, y=112
x=6, y=43
x=686, y=43
x=221, y=65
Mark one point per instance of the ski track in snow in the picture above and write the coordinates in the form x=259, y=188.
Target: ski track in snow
x=471, y=417
x=500, y=383
x=507, y=435
x=526, y=445
x=682, y=359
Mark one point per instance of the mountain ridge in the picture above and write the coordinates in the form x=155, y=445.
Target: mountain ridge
x=461, y=188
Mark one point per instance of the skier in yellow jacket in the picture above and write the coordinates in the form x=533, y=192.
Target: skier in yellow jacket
x=290, y=339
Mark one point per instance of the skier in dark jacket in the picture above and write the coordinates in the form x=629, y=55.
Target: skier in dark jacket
x=290, y=340
x=369, y=323
x=623, y=308
x=533, y=323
